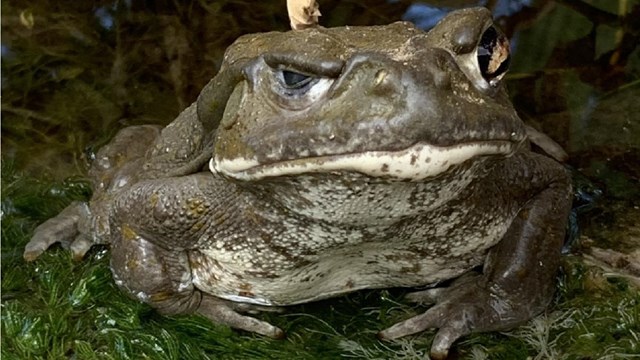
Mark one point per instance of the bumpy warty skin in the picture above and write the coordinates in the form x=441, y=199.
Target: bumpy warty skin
x=324, y=161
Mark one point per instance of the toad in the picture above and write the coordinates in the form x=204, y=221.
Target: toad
x=325, y=161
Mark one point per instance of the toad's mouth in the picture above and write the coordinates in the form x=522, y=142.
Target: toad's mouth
x=414, y=163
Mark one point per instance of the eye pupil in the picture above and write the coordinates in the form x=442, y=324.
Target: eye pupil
x=493, y=54
x=295, y=80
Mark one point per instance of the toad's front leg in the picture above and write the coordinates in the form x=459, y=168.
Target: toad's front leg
x=517, y=281
x=162, y=279
x=64, y=228
x=83, y=224
x=155, y=225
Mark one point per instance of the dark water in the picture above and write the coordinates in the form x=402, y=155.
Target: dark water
x=73, y=73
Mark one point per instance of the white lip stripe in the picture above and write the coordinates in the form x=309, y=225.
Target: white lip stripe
x=414, y=163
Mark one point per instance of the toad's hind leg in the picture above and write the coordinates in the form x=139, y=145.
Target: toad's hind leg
x=162, y=279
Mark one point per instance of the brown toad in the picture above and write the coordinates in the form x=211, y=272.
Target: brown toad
x=324, y=161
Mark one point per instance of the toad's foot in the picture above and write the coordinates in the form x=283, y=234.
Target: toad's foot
x=222, y=312
x=467, y=306
x=63, y=228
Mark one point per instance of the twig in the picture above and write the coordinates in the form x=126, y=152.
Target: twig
x=303, y=13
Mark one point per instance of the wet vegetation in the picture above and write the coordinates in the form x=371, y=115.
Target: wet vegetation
x=73, y=73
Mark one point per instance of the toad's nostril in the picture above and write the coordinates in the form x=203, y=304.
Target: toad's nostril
x=384, y=83
x=381, y=75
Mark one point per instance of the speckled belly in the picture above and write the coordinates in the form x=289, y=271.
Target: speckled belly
x=404, y=262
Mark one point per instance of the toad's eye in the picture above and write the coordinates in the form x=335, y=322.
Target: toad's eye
x=298, y=86
x=294, y=80
x=294, y=83
x=493, y=55
x=297, y=90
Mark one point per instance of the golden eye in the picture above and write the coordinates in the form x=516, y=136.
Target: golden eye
x=493, y=55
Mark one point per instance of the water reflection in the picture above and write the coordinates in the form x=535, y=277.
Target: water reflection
x=424, y=16
x=427, y=14
x=105, y=18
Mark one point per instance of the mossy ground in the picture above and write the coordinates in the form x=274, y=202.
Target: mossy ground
x=69, y=84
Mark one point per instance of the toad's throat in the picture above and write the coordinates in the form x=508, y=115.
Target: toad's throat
x=414, y=163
